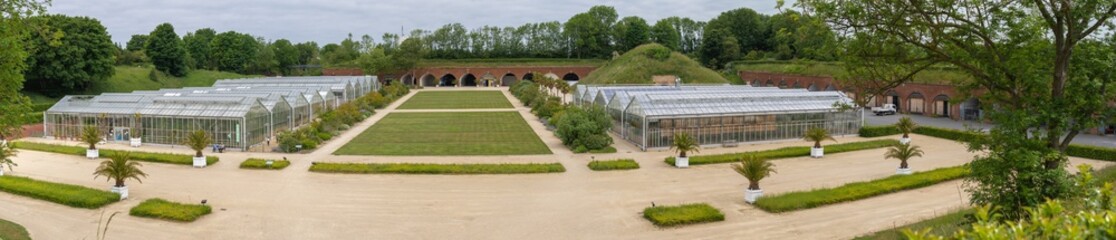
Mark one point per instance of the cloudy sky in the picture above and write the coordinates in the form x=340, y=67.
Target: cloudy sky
x=331, y=20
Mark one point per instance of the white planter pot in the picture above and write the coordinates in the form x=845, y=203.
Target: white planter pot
x=905, y=141
x=817, y=152
x=92, y=153
x=750, y=196
x=1, y=170
x=682, y=162
x=199, y=162
x=136, y=142
x=123, y=191
x=903, y=171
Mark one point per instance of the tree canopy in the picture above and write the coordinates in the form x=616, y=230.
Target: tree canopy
x=82, y=56
x=166, y=51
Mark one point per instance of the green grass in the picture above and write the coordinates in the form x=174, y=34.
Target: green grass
x=457, y=100
x=858, y=190
x=637, y=66
x=167, y=210
x=608, y=149
x=665, y=216
x=938, y=75
x=510, y=62
x=944, y=225
x=447, y=134
x=788, y=152
x=618, y=164
x=13, y=231
x=430, y=168
x=181, y=159
x=65, y=194
x=256, y=163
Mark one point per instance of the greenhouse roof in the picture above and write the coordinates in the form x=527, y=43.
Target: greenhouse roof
x=269, y=100
x=126, y=103
x=622, y=98
x=735, y=103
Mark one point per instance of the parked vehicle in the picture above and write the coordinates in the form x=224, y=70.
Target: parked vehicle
x=887, y=109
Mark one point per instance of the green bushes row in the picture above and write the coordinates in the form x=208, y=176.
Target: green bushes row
x=181, y=159
x=858, y=190
x=430, y=168
x=582, y=129
x=665, y=216
x=1075, y=150
x=332, y=122
x=618, y=164
x=878, y=131
x=951, y=134
x=65, y=194
x=163, y=209
x=256, y=163
x=788, y=152
x=1091, y=152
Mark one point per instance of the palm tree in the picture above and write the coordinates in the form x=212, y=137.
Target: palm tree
x=91, y=135
x=903, y=152
x=197, y=141
x=754, y=169
x=906, y=125
x=6, y=155
x=817, y=135
x=683, y=144
x=118, y=168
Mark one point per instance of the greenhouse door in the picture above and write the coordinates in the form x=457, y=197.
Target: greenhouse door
x=122, y=134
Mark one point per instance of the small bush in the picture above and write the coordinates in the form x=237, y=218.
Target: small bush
x=857, y=190
x=619, y=164
x=163, y=209
x=878, y=131
x=256, y=163
x=665, y=216
x=65, y=194
x=788, y=152
x=430, y=168
x=181, y=159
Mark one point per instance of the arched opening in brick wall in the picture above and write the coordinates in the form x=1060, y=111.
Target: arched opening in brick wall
x=831, y=88
x=529, y=77
x=571, y=77
x=812, y=87
x=916, y=103
x=428, y=80
x=892, y=97
x=408, y=79
x=970, y=110
x=941, y=105
x=508, y=79
x=469, y=80
x=448, y=80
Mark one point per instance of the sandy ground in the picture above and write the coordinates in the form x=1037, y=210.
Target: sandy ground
x=578, y=204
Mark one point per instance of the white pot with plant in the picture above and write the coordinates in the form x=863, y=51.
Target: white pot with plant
x=906, y=126
x=197, y=141
x=817, y=135
x=683, y=144
x=118, y=168
x=754, y=169
x=91, y=135
x=6, y=155
x=903, y=152
x=137, y=131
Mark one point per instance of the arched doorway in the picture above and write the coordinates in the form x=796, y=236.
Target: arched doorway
x=970, y=110
x=428, y=80
x=892, y=97
x=831, y=88
x=469, y=80
x=408, y=79
x=571, y=78
x=757, y=83
x=782, y=84
x=812, y=88
x=941, y=105
x=508, y=80
x=796, y=85
x=448, y=80
x=529, y=77
x=551, y=76
x=769, y=84
x=917, y=103
x=487, y=80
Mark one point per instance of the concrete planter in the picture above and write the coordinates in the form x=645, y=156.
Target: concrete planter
x=123, y=191
x=817, y=152
x=199, y=162
x=905, y=141
x=1, y=170
x=904, y=171
x=136, y=142
x=750, y=196
x=682, y=162
x=92, y=153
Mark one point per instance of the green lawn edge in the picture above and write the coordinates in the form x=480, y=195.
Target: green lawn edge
x=788, y=152
x=799, y=200
x=430, y=168
x=61, y=193
x=170, y=158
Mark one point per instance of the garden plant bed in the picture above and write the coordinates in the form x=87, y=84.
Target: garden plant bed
x=181, y=159
x=457, y=100
x=13, y=231
x=666, y=216
x=788, y=152
x=163, y=209
x=256, y=163
x=618, y=164
x=447, y=134
x=429, y=168
x=65, y=194
x=858, y=190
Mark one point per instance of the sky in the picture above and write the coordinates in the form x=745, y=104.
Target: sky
x=330, y=21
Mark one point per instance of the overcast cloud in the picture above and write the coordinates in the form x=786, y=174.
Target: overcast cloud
x=327, y=21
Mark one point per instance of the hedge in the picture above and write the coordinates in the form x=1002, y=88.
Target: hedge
x=618, y=164
x=857, y=190
x=431, y=168
x=788, y=152
x=163, y=209
x=1091, y=152
x=878, y=131
x=65, y=194
x=181, y=159
x=665, y=216
x=951, y=134
x=256, y=163
x=1074, y=150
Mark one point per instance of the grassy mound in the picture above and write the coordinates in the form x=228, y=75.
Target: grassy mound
x=132, y=78
x=638, y=65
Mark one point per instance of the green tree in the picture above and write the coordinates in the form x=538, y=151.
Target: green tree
x=664, y=33
x=816, y=135
x=166, y=51
x=137, y=43
x=307, y=53
x=631, y=32
x=265, y=61
x=1024, y=53
x=83, y=56
x=197, y=45
x=409, y=54
x=584, y=127
x=197, y=140
x=744, y=25
x=754, y=169
x=286, y=55
x=14, y=34
x=589, y=32
x=233, y=51
x=719, y=49
x=375, y=62
x=903, y=152
x=118, y=168
x=683, y=144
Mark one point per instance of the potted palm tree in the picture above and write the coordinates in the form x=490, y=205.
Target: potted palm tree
x=91, y=135
x=817, y=135
x=6, y=155
x=905, y=125
x=903, y=152
x=118, y=168
x=683, y=144
x=754, y=169
x=136, y=138
x=197, y=141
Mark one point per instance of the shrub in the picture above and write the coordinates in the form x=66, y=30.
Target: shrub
x=608, y=149
x=171, y=158
x=1091, y=152
x=584, y=126
x=665, y=216
x=256, y=163
x=163, y=209
x=951, y=134
x=857, y=190
x=65, y=194
x=878, y=131
x=430, y=168
x=788, y=152
x=618, y=164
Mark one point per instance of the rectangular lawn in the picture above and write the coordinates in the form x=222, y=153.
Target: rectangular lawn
x=457, y=100
x=447, y=133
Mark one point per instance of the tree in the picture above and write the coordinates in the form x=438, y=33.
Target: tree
x=589, y=32
x=7, y=152
x=1021, y=52
x=197, y=46
x=584, y=128
x=265, y=61
x=83, y=56
x=197, y=141
x=307, y=53
x=15, y=31
x=905, y=126
x=683, y=144
x=375, y=62
x=166, y=51
x=754, y=169
x=137, y=43
x=233, y=51
x=719, y=49
x=817, y=135
x=903, y=152
x=664, y=33
x=409, y=54
x=631, y=32
x=118, y=168
x=744, y=25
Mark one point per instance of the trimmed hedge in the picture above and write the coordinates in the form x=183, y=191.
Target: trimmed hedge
x=665, y=216
x=65, y=194
x=162, y=209
x=878, y=131
x=618, y=164
x=788, y=152
x=181, y=159
x=431, y=168
x=951, y=134
x=1074, y=150
x=1091, y=152
x=857, y=190
x=608, y=149
x=256, y=163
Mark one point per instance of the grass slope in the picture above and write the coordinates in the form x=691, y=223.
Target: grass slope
x=430, y=168
x=13, y=231
x=457, y=100
x=638, y=65
x=447, y=134
x=834, y=69
x=132, y=78
x=510, y=62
